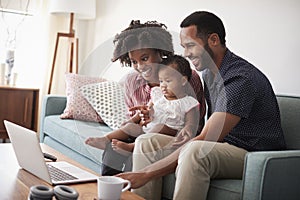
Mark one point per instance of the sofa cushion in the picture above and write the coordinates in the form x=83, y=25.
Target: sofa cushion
x=219, y=188
x=72, y=133
x=107, y=98
x=77, y=107
x=225, y=189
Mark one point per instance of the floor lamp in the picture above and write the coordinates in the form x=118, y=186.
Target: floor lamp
x=79, y=9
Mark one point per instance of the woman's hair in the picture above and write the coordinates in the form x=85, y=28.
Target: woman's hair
x=148, y=35
x=206, y=24
x=180, y=64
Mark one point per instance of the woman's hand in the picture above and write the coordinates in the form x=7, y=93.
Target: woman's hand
x=137, y=179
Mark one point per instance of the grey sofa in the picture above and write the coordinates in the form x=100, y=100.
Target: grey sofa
x=268, y=175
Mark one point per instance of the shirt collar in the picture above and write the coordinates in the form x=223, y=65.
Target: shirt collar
x=224, y=65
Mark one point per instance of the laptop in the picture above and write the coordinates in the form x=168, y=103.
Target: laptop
x=31, y=158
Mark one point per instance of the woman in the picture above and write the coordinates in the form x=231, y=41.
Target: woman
x=172, y=111
x=143, y=46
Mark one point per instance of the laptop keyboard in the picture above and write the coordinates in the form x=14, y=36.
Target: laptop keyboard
x=59, y=175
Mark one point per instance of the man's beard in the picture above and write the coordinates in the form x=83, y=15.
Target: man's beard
x=207, y=58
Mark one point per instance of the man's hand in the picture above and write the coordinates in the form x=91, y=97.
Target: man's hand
x=137, y=179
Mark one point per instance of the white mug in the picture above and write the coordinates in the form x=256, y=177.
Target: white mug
x=111, y=187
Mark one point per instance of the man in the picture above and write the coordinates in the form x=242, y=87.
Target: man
x=243, y=116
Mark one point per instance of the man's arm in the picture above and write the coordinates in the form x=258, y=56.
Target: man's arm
x=158, y=169
x=216, y=128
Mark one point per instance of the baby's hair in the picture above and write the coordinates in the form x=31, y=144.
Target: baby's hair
x=182, y=65
x=148, y=35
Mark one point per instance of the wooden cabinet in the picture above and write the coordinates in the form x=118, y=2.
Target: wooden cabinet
x=19, y=105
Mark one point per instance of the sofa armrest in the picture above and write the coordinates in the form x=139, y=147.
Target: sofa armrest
x=271, y=175
x=51, y=105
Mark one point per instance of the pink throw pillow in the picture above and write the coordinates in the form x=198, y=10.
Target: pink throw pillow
x=77, y=106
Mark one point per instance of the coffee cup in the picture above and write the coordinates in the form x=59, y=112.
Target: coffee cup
x=111, y=187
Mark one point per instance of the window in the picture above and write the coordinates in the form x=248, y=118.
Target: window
x=13, y=14
x=17, y=27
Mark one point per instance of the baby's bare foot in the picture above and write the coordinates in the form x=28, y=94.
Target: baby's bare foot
x=98, y=142
x=122, y=147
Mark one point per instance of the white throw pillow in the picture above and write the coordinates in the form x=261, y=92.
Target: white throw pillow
x=107, y=98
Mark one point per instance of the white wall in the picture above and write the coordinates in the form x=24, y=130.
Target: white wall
x=265, y=32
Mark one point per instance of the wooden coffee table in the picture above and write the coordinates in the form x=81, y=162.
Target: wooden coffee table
x=15, y=182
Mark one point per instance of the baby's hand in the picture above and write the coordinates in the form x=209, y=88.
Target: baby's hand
x=145, y=113
x=180, y=140
x=182, y=137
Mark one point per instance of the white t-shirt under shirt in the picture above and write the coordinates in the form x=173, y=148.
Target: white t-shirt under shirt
x=169, y=112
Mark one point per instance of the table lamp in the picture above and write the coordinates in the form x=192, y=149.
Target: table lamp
x=80, y=9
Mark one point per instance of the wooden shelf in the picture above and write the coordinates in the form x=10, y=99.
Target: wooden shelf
x=19, y=105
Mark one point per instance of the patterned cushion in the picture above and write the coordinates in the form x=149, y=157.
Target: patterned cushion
x=107, y=98
x=77, y=107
